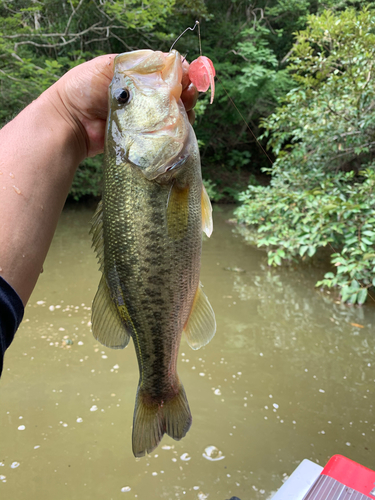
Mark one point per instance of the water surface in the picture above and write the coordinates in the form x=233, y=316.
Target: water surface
x=289, y=375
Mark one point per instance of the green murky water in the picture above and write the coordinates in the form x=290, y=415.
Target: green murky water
x=289, y=375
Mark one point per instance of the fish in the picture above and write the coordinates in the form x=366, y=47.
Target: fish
x=147, y=234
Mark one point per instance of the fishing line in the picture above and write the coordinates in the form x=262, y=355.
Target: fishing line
x=199, y=37
x=247, y=125
x=238, y=111
x=191, y=29
x=229, y=97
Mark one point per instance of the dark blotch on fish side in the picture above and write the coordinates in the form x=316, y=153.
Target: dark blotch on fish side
x=234, y=498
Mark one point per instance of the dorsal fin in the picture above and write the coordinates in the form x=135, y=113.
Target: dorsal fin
x=96, y=232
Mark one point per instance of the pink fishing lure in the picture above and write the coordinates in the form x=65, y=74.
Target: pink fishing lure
x=201, y=74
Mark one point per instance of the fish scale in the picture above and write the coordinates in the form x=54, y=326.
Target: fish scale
x=149, y=260
x=148, y=236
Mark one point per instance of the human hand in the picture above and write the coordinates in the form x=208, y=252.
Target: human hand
x=83, y=94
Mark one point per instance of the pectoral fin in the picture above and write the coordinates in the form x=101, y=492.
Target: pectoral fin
x=201, y=325
x=207, y=224
x=178, y=212
x=107, y=326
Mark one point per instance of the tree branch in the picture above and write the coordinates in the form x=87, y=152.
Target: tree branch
x=74, y=11
x=10, y=77
x=94, y=28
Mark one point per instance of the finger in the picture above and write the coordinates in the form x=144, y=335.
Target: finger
x=191, y=116
x=185, y=81
x=102, y=73
x=189, y=97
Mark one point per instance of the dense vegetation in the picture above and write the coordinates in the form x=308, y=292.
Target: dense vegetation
x=301, y=75
x=322, y=186
x=247, y=40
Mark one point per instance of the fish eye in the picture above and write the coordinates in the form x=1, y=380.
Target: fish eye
x=122, y=95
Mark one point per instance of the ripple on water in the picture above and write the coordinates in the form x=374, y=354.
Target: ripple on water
x=213, y=454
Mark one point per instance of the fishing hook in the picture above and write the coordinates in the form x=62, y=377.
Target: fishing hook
x=191, y=29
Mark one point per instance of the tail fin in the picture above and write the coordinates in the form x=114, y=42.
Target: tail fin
x=152, y=420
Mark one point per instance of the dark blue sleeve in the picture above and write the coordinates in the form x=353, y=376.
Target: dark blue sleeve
x=11, y=314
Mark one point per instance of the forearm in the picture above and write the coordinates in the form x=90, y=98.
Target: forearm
x=39, y=153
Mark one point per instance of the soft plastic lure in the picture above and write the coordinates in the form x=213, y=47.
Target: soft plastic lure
x=202, y=75
x=201, y=70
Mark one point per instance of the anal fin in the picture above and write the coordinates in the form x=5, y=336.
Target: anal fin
x=107, y=325
x=201, y=325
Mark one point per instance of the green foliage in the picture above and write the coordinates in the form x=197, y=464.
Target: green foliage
x=212, y=191
x=88, y=178
x=323, y=179
x=142, y=15
x=243, y=46
x=238, y=159
x=249, y=43
x=40, y=41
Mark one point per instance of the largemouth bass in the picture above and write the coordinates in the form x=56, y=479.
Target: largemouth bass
x=147, y=233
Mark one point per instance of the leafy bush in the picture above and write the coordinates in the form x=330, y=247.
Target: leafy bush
x=247, y=41
x=212, y=191
x=88, y=178
x=322, y=187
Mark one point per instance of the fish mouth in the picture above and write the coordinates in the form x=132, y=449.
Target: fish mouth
x=172, y=73
x=145, y=62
